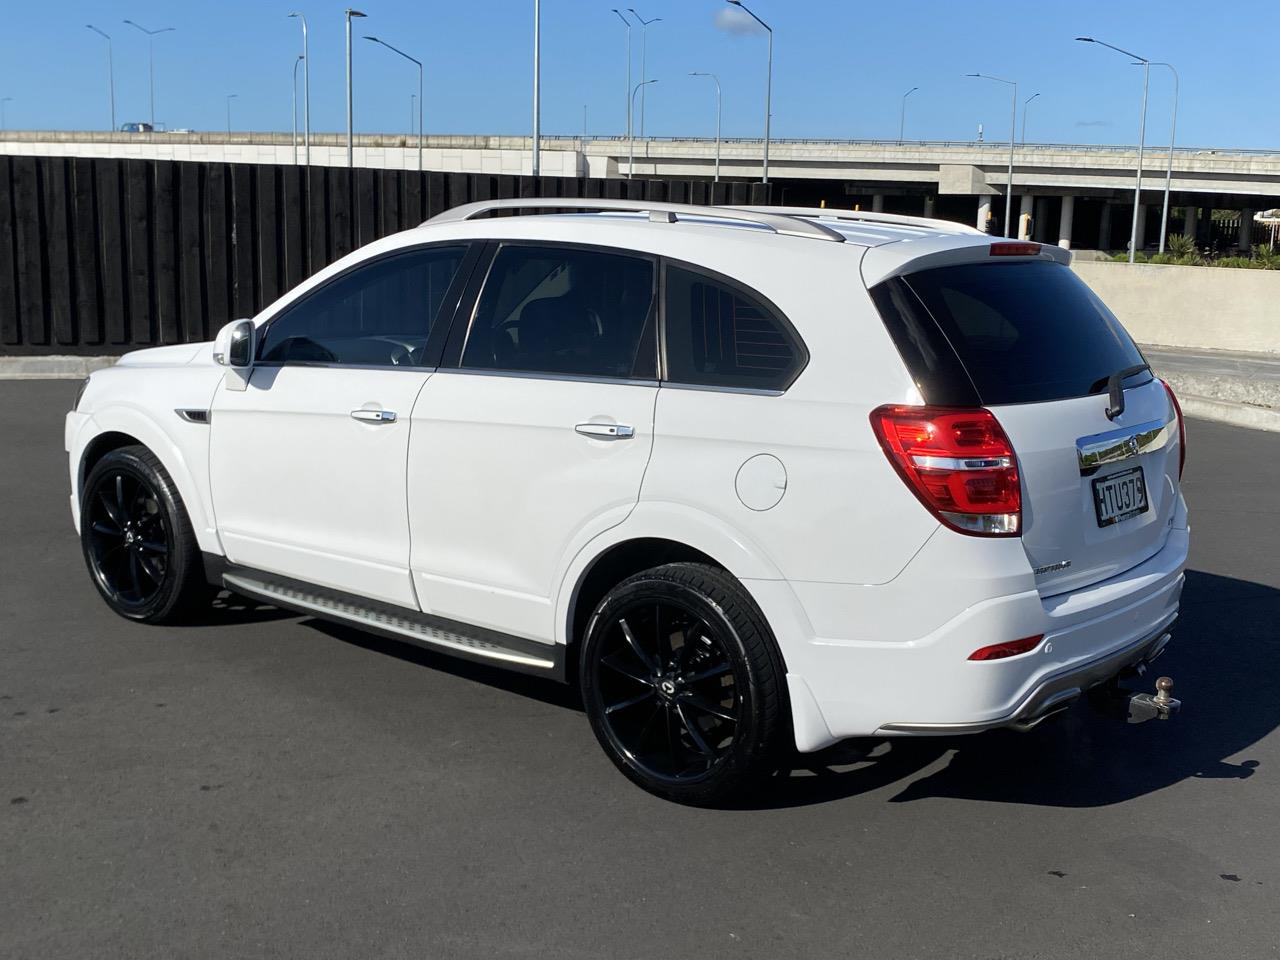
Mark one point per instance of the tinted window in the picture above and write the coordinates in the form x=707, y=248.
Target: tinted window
x=719, y=335
x=565, y=310
x=1017, y=332
x=380, y=313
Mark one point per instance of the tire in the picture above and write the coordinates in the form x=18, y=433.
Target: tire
x=137, y=540
x=683, y=684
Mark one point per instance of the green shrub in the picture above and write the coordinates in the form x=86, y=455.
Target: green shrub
x=1181, y=245
x=1240, y=263
x=1266, y=256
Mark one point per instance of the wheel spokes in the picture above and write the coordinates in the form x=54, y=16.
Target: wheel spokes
x=615, y=665
x=706, y=706
x=634, y=644
x=614, y=708
x=695, y=734
x=708, y=673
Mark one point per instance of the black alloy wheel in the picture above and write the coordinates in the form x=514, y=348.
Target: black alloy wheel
x=682, y=683
x=136, y=537
x=129, y=541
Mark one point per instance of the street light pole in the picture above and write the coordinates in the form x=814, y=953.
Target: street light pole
x=1013, y=131
x=644, y=51
x=768, y=87
x=537, y=88
x=230, y=97
x=151, y=61
x=902, y=116
x=631, y=161
x=306, y=88
x=1026, y=103
x=1173, y=133
x=350, y=138
x=419, y=63
x=294, y=91
x=1142, y=138
x=111, y=72
x=628, y=90
x=717, y=83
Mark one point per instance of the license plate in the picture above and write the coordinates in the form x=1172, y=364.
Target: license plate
x=1119, y=496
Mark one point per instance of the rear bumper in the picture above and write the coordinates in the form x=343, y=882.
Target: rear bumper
x=890, y=660
x=1053, y=693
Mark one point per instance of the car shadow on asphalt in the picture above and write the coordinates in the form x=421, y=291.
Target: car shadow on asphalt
x=542, y=689
x=1225, y=674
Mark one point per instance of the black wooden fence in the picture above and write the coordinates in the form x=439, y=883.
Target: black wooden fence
x=99, y=256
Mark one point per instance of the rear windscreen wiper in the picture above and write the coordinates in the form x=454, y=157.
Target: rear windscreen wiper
x=1115, y=388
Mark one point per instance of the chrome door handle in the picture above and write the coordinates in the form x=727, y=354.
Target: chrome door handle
x=374, y=416
x=606, y=431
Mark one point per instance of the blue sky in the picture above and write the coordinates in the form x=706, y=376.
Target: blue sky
x=840, y=67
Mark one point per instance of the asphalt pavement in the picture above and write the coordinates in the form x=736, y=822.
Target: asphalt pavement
x=266, y=785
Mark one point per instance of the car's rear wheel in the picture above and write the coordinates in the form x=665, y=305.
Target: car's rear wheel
x=682, y=684
x=137, y=540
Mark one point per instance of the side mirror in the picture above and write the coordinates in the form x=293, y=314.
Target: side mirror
x=233, y=346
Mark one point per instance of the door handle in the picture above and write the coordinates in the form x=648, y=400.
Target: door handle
x=606, y=431
x=374, y=416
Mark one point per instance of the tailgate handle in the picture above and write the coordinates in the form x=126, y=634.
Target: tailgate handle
x=1117, y=445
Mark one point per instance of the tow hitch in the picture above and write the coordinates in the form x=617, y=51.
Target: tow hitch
x=1118, y=699
x=1153, y=706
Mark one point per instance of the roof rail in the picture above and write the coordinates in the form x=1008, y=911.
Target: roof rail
x=779, y=223
x=831, y=213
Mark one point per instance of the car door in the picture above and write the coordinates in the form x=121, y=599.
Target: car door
x=307, y=462
x=537, y=436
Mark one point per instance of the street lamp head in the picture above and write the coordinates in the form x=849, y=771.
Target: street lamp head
x=374, y=39
x=355, y=13
x=1086, y=39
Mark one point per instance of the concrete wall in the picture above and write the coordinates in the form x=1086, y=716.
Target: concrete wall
x=1216, y=308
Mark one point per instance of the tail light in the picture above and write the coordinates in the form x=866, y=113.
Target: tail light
x=1182, y=427
x=959, y=463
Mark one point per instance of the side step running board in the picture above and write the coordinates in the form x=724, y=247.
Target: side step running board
x=437, y=633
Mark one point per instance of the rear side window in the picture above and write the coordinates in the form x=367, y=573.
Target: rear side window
x=996, y=333
x=565, y=310
x=718, y=334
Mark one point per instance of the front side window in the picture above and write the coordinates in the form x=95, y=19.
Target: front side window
x=564, y=310
x=718, y=334
x=378, y=314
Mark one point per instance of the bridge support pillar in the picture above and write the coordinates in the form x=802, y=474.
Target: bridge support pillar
x=1065, y=221
x=1191, y=223
x=928, y=207
x=984, y=214
x=1246, y=231
x=1142, y=227
x=1104, y=227
x=1026, y=216
x=877, y=203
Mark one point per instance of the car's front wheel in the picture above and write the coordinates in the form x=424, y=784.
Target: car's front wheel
x=137, y=540
x=683, y=685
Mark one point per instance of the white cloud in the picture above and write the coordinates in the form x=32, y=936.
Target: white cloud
x=737, y=22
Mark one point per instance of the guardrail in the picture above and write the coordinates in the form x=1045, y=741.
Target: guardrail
x=479, y=141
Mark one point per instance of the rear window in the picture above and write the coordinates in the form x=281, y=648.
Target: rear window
x=996, y=333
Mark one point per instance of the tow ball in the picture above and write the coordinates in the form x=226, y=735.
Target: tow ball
x=1153, y=706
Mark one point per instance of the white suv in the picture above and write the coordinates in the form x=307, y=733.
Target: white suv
x=752, y=478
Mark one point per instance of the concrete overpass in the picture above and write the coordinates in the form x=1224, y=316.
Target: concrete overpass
x=1074, y=194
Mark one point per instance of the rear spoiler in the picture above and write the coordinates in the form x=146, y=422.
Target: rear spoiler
x=894, y=259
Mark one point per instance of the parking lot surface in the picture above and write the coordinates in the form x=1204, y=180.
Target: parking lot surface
x=263, y=784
